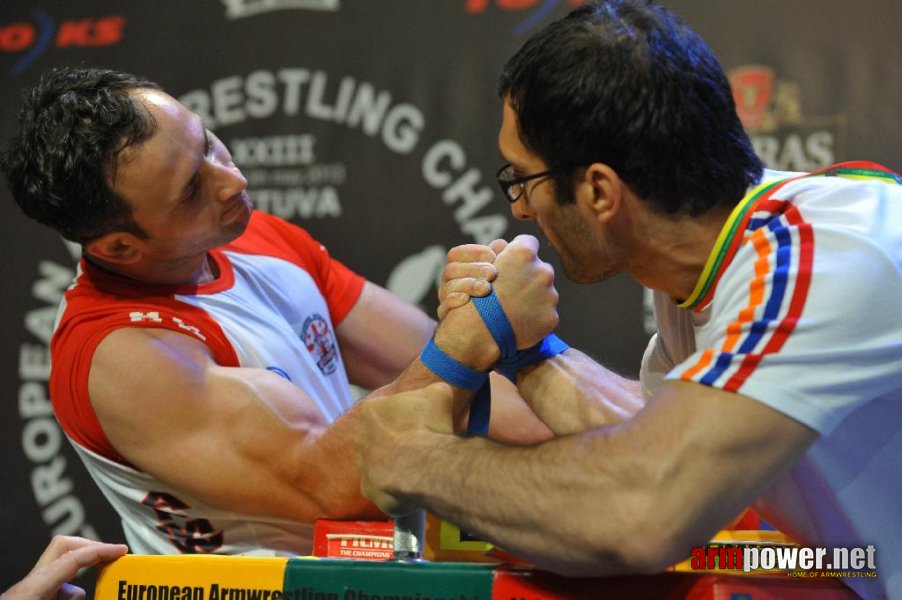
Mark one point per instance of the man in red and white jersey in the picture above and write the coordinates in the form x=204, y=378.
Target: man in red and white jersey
x=201, y=358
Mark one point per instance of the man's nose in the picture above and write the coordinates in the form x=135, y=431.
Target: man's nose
x=521, y=210
x=228, y=180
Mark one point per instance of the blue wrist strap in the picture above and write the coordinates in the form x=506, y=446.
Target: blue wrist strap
x=552, y=345
x=497, y=323
x=450, y=370
x=455, y=373
x=510, y=363
x=499, y=326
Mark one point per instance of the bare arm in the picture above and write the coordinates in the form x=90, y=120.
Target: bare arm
x=241, y=439
x=569, y=393
x=380, y=336
x=257, y=443
x=634, y=497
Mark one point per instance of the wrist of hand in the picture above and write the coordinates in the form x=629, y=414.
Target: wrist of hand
x=478, y=353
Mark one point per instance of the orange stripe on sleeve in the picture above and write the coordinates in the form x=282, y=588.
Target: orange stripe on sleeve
x=703, y=362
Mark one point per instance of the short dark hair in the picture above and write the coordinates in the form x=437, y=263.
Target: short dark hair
x=60, y=164
x=627, y=83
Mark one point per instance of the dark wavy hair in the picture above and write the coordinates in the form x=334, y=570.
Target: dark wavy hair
x=628, y=84
x=60, y=164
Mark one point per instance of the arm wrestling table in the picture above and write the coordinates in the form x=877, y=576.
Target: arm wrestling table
x=213, y=577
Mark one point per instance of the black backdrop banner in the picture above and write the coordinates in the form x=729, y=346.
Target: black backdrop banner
x=373, y=124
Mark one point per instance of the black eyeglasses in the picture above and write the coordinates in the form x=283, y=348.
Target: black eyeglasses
x=513, y=187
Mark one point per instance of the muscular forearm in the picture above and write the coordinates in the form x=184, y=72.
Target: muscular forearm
x=341, y=499
x=571, y=393
x=633, y=497
x=571, y=516
x=417, y=376
x=327, y=474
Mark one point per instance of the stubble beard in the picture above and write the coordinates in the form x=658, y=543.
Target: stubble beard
x=581, y=260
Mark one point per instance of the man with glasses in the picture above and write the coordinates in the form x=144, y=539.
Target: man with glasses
x=775, y=378
x=512, y=186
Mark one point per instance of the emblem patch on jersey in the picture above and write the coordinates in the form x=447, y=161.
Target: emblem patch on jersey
x=321, y=343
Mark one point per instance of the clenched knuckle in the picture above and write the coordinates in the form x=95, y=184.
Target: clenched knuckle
x=522, y=253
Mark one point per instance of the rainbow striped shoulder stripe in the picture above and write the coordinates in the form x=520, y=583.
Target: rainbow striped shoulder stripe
x=784, y=245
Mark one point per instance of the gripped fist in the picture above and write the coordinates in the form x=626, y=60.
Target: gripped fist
x=524, y=285
x=525, y=289
x=468, y=273
x=392, y=433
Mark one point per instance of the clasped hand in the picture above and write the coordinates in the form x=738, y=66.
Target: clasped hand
x=523, y=283
x=396, y=432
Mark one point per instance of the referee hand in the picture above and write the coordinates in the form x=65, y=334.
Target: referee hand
x=64, y=557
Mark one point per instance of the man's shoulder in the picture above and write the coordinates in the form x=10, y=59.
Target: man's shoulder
x=97, y=305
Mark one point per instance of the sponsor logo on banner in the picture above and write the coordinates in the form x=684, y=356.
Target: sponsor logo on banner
x=289, y=176
x=41, y=33
x=538, y=10
x=239, y=9
x=771, y=111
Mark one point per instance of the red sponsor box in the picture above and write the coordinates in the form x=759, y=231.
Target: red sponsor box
x=360, y=540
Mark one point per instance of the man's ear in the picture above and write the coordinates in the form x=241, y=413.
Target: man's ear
x=606, y=191
x=119, y=248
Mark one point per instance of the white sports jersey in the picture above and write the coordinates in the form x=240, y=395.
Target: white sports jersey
x=800, y=308
x=274, y=305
